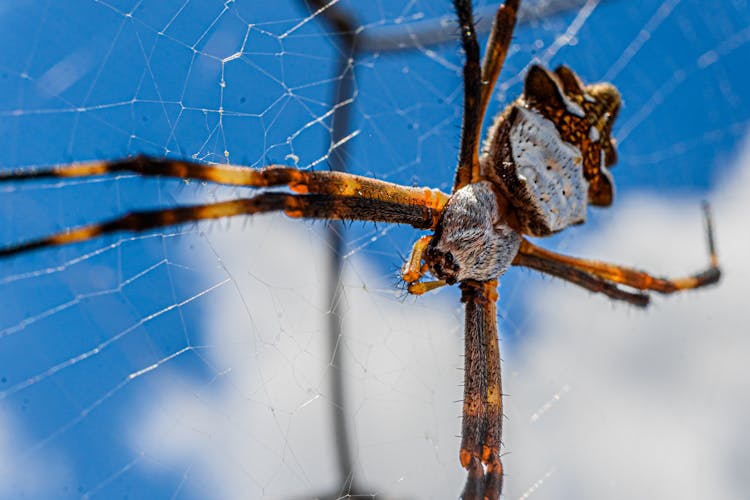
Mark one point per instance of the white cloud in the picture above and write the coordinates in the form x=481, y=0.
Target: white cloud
x=628, y=403
x=27, y=472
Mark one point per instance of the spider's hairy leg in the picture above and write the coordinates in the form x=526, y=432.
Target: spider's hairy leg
x=494, y=56
x=581, y=278
x=299, y=181
x=479, y=81
x=481, y=425
x=493, y=484
x=468, y=156
x=710, y=239
x=627, y=276
x=314, y=206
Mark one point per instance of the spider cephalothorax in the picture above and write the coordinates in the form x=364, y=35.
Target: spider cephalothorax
x=472, y=241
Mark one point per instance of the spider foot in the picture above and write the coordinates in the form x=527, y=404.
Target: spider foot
x=474, y=488
x=483, y=482
x=493, y=481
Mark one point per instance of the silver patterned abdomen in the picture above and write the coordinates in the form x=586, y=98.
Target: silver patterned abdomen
x=548, y=152
x=549, y=171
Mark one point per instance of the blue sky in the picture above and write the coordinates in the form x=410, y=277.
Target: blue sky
x=189, y=360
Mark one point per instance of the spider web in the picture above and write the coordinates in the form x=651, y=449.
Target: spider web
x=193, y=361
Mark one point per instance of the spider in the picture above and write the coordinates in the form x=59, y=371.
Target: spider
x=545, y=158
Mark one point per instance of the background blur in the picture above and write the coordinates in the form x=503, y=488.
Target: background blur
x=192, y=362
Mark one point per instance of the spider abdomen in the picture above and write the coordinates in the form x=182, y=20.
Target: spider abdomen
x=538, y=172
x=548, y=153
x=471, y=240
x=547, y=175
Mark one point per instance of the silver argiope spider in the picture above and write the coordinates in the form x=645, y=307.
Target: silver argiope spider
x=545, y=158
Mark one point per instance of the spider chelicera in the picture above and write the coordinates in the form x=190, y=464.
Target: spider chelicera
x=546, y=157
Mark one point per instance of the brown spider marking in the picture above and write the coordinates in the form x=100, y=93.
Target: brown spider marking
x=548, y=152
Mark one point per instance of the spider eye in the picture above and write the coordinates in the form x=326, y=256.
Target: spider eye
x=449, y=261
x=442, y=264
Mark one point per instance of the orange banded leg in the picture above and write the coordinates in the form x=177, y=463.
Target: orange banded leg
x=299, y=181
x=482, y=409
x=628, y=276
x=468, y=155
x=632, y=277
x=479, y=81
x=494, y=56
x=493, y=484
x=307, y=206
x=581, y=278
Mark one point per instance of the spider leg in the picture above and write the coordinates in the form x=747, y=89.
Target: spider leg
x=299, y=181
x=581, y=278
x=479, y=81
x=482, y=408
x=493, y=482
x=530, y=255
x=314, y=206
x=494, y=56
x=468, y=156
